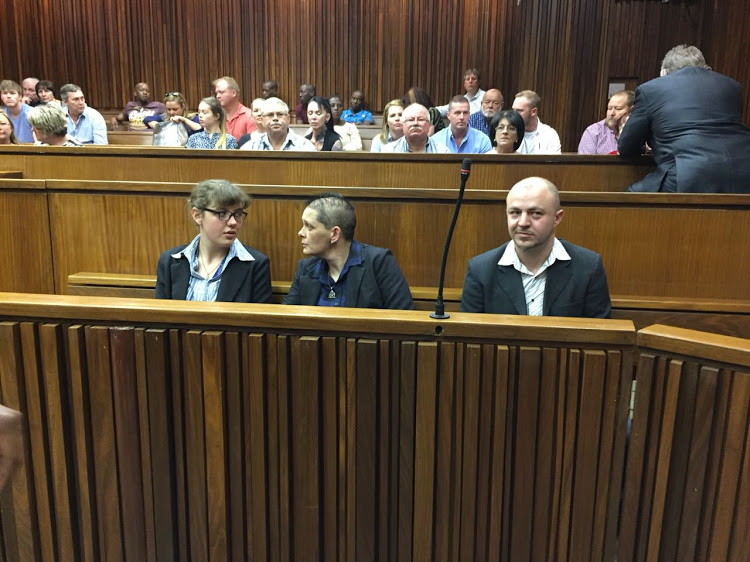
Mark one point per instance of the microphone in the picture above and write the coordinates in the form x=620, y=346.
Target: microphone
x=439, y=305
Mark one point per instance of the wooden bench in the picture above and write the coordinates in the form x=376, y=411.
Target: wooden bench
x=728, y=317
x=130, y=138
x=331, y=169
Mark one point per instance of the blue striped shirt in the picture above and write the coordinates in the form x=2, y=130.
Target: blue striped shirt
x=200, y=288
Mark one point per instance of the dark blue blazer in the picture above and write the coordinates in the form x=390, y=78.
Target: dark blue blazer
x=376, y=283
x=242, y=281
x=575, y=287
x=692, y=119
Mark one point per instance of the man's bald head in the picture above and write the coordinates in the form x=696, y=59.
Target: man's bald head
x=540, y=185
x=492, y=102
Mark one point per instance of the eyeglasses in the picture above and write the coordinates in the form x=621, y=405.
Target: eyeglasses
x=509, y=128
x=223, y=216
x=173, y=94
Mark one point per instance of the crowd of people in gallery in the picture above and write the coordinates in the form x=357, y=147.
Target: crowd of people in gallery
x=690, y=118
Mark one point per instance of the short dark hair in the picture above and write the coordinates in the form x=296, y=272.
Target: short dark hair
x=514, y=118
x=325, y=106
x=457, y=99
x=44, y=85
x=333, y=209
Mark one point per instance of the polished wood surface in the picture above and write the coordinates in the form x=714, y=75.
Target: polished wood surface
x=687, y=485
x=176, y=431
x=354, y=169
x=567, y=52
x=654, y=246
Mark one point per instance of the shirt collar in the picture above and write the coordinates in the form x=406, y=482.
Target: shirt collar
x=510, y=257
x=354, y=258
x=237, y=249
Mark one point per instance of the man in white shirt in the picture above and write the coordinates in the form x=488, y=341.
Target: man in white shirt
x=278, y=135
x=473, y=92
x=535, y=273
x=538, y=138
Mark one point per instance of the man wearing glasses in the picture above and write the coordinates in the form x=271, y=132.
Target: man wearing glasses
x=416, y=122
x=278, y=136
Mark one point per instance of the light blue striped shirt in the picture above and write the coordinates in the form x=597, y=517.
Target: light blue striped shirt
x=200, y=288
x=534, y=284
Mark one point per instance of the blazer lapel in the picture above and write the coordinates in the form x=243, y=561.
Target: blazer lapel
x=353, y=282
x=180, y=270
x=510, y=282
x=558, y=276
x=232, y=279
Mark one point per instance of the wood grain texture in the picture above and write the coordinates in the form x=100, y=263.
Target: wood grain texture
x=567, y=52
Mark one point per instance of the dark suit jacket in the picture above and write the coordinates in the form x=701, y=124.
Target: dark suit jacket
x=692, y=119
x=376, y=283
x=575, y=287
x=242, y=281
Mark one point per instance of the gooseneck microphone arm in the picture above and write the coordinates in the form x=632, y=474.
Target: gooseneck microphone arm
x=439, y=305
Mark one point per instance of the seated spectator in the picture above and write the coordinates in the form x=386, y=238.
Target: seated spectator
x=393, y=129
x=45, y=91
x=138, y=109
x=459, y=137
x=420, y=96
x=65, y=91
x=7, y=135
x=506, y=130
x=321, y=132
x=278, y=135
x=30, y=97
x=416, y=123
x=239, y=118
x=270, y=89
x=50, y=126
x=340, y=271
x=85, y=123
x=215, y=266
x=16, y=110
x=214, y=134
x=538, y=138
x=601, y=137
x=306, y=93
x=357, y=112
x=173, y=127
x=492, y=102
x=535, y=273
x=474, y=94
x=347, y=131
x=246, y=141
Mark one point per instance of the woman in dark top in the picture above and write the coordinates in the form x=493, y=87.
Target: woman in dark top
x=322, y=134
x=339, y=270
x=215, y=266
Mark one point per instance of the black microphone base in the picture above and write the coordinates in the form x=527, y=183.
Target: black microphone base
x=437, y=316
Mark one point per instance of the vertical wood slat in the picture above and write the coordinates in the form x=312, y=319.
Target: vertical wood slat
x=98, y=357
x=56, y=403
x=177, y=375
x=213, y=365
x=127, y=433
x=305, y=448
x=235, y=435
x=468, y=484
x=445, y=447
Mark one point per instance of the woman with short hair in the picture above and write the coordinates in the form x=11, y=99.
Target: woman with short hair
x=506, y=131
x=340, y=271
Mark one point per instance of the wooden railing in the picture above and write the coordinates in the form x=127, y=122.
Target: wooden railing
x=161, y=430
x=687, y=488
x=570, y=172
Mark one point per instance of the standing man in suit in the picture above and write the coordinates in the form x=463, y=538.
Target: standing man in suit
x=535, y=273
x=692, y=119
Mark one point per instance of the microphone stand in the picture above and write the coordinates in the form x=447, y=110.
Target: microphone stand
x=440, y=313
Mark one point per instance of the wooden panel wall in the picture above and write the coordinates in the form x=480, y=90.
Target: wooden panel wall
x=151, y=443
x=687, y=487
x=565, y=50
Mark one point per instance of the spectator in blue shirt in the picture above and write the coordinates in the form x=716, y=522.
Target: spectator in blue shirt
x=459, y=137
x=85, y=124
x=16, y=110
x=357, y=113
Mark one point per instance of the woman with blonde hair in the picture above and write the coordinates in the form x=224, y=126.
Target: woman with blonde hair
x=392, y=128
x=214, y=122
x=173, y=127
